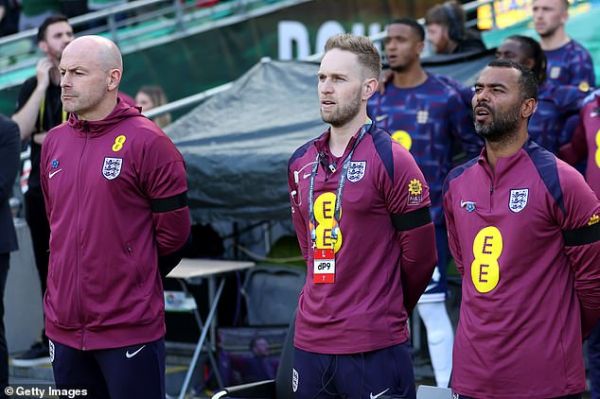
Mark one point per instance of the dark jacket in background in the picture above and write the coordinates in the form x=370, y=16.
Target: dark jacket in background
x=10, y=147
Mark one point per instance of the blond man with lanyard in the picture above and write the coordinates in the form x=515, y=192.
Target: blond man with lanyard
x=360, y=207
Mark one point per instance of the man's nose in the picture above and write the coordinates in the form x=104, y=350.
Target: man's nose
x=481, y=97
x=65, y=81
x=326, y=86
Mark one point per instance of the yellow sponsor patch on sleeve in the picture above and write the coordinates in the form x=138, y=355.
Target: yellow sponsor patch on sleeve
x=415, y=192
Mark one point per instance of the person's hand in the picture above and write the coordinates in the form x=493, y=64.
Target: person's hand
x=42, y=71
x=384, y=78
x=39, y=138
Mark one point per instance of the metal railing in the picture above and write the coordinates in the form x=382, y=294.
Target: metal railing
x=187, y=101
x=145, y=19
x=180, y=21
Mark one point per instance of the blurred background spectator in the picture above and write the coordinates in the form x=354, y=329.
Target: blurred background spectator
x=446, y=30
x=149, y=97
x=9, y=17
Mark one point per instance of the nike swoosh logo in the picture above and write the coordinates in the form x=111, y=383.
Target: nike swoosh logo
x=51, y=174
x=379, y=118
x=379, y=394
x=306, y=175
x=130, y=355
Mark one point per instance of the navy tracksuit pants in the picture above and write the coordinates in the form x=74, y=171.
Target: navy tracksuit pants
x=131, y=372
x=382, y=374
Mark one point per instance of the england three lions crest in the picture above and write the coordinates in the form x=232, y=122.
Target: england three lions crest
x=356, y=171
x=112, y=167
x=518, y=199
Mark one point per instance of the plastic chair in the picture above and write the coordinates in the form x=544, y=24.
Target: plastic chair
x=271, y=294
x=279, y=388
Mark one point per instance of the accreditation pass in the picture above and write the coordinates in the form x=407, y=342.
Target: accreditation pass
x=324, y=266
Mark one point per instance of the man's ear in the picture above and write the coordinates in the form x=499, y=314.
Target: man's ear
x=42, y=45
x=369, y=88
x=114, y=79
x=529, y=63
x=528, y=107
x=565, y=16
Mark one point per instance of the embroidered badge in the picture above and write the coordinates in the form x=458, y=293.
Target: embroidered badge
x=415, y=192
x=554, y=72
x=518, y=199
x=112, y=167
x=468, y=205
x=593, y=220
x=422, y=116
x=356, y=171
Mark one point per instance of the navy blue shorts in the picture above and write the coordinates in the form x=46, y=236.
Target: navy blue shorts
x=383, y=374
x=131, y=372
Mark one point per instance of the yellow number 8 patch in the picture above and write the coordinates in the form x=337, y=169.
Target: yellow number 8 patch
x=487, y=248
x=119, y=141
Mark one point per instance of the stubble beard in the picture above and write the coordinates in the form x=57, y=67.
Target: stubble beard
x=344, y=114
x=548, y=34
x=502, y=127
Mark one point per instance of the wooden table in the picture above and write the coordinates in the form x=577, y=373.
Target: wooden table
x=191, y=269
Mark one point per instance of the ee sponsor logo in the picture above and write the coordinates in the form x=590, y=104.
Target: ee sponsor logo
x=487, y=248
x=324, y=210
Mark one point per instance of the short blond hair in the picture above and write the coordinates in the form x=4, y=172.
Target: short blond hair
x=362, y=46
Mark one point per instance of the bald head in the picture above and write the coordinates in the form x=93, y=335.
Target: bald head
x=98, y=49
x=91, y=70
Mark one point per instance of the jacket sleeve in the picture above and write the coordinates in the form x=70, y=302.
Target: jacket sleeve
x=453, y=242
x=9, y=157
x=569, y=100
x=407, y=199
x=580, y=223
x=297, y=219
x=576, y=150
x=582, y=70
x=164, y=181
x=419, y=257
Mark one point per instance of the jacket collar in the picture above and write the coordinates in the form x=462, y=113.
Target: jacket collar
x=96, y=128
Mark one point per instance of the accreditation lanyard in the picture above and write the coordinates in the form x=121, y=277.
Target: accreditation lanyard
x=43, y=110
x=338, y=199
